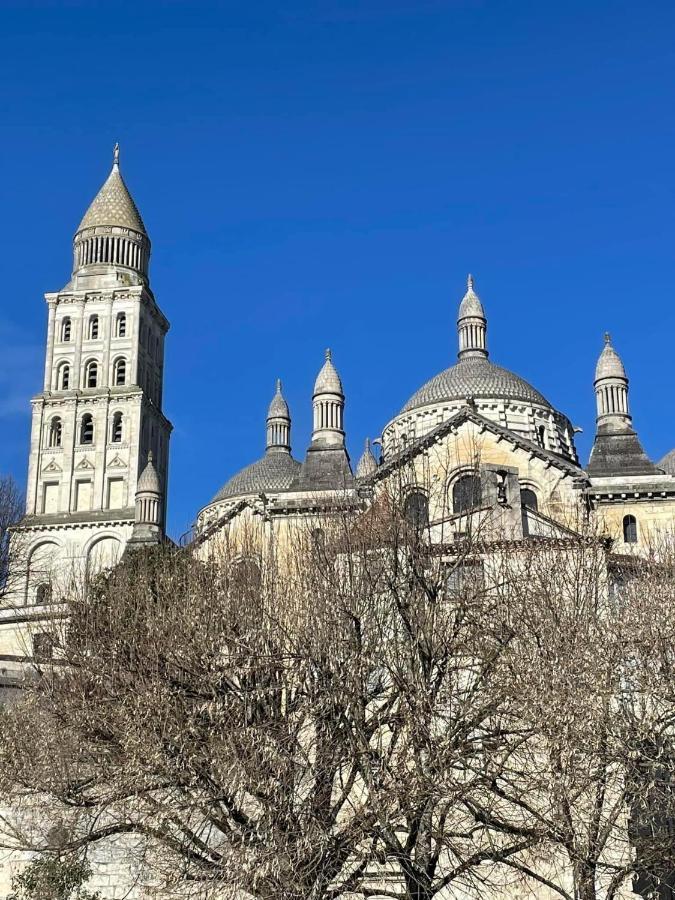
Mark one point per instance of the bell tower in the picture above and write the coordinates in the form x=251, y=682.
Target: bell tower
x=99, y=414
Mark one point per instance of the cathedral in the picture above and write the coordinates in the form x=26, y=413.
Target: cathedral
x=476, y=437
x=99, y=452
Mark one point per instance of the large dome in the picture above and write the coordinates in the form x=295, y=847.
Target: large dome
x=475, y=377
x=274, y=472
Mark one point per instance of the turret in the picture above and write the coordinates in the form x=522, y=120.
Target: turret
x=367, y=465
x=471, y=325
x=328, y=403
x=611, y=390
x=278, y=424
x=149, y=513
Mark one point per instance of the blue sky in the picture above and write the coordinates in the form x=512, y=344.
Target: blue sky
x=326, y=174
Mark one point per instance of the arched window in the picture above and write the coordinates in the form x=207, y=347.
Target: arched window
x=120, y=372
x=121, y=325
x=65, y=329
x=87, y=429
x=43, y=593
x=91, y=374
x=467, y=493
x=630, y=533
x=116, y=428
x=55, y=432
x=93, y=328
x=416, y=509
x=528, y=498
x=63, y=377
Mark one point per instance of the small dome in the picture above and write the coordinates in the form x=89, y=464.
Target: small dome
x=609, y=363
x=113, y=205
x=274, y=472
x=474, y=377
x=328, y=380
x=471, y=305
x=278, y=408
x=668, y=463
x=149, y=479
x=367, y=465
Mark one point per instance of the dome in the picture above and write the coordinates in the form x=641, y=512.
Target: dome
x=474, y=377
x=328, y=380
x=668, y=462
x=609, y=363
x=274, y=472
x=113, y=205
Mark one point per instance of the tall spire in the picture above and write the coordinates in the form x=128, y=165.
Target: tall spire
x=471, y=324
x=328, y=402
x=278, y=423
x=111, y=234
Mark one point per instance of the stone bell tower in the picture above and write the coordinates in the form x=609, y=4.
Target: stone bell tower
x=99, y=414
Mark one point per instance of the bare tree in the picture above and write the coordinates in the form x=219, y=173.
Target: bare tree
x=11, y=510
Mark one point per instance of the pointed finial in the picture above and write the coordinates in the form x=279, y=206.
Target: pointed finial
x=278, y=385
x=116, y=156
x=150, y=457
x=328, y=354
x=607, y=337
x=367, y=443
x=469, y=282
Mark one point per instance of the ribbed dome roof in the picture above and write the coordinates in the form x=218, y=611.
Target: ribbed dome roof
x=274, y=472
x=609, y=363
x=149, y=479
x=474, y=377
x=367, y=465
x=668, y=462
x=113, y=205
x=471, y=305
x=328, y=380
x=278, y=408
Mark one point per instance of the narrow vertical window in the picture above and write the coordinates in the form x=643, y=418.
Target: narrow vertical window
x=63, y=377
x=93, y=328
x=65, y=330
x=121, y=325
x=55, y=432
x=87, y=429
x=91, y=374
x=120, y=372
x=116, y=428
x=630, y=534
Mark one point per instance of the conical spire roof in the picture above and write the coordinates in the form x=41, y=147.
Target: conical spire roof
x=278, y=408
x=113, y=205
x=149, y=479
x=470, y=305
x=609, y=362
x=367, y=465
x=328, y=380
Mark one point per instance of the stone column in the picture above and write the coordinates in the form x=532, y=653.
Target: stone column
x=78, y=334
x=49, y=359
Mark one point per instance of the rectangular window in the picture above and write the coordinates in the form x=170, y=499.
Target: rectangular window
x=82, y=495
x=116, y=498
x=50, y=497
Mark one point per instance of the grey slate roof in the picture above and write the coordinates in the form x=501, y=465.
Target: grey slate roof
x=324, y=469
x=668, y=463
x=619, y=453
x=474, y=377
x=278, y=408
x=274, y=472
x=328, y=381
x=113, y=205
